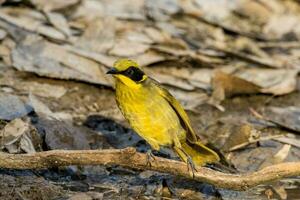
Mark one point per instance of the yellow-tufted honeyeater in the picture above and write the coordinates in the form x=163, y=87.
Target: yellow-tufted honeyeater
x=156, y=115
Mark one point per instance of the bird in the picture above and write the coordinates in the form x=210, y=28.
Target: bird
x=155, y=115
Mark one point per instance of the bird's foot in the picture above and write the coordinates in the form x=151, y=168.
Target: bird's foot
x=150, y=157
x=191, y=165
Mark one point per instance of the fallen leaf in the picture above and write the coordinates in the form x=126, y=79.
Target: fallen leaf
x=288, y=117
x=12, y=107
x=42, y=110
x=255, y=11
x=48, y=59
x=130, y=9
x=280, y=25
x=99, y=35
x=30, y=20
x=226, y=85
x=88, y=10
x=18, y=136
x=189, y=99
x=289, y=139
x=148, y=58
x=3, y=34
x=279, y=157
x=12, y=132
x=173, y=81
x=252, y=81
x=162, y=10
x=5, y=50
x=277, y=82
x=240, y=135
x=182, y=77
x=54, y=4
x=280, y=190
x=59, y=22
x=42, y=89
x=125, y=48
x=62, y=135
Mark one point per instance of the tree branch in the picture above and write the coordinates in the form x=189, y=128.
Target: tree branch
x=130, y=158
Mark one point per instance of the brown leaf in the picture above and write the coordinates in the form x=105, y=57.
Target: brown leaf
x=251, y=81
x=225, y=85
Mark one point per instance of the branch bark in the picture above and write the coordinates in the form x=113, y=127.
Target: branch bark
x=131, y=159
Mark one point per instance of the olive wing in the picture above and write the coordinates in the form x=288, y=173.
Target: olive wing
x=183, y=117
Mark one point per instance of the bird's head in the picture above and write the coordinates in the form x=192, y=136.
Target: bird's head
x=128, y=72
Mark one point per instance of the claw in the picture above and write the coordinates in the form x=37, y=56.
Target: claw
x=150, y=157
x=191, y=164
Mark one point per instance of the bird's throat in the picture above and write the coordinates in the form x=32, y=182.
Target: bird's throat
x=120, y=79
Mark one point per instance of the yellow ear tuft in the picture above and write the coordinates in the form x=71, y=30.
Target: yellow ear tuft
x=123, y=64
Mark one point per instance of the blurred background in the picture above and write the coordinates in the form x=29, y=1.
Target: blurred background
x=233, y=64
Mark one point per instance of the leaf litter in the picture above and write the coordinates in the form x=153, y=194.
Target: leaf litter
x=229, y=55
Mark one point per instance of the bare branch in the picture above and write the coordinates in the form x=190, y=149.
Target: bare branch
x=130, y=158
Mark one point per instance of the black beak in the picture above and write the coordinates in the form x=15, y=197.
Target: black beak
x=112, y=71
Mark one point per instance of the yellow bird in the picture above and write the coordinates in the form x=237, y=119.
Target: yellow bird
x=156, y=115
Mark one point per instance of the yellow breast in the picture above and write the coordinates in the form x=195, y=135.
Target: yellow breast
x=149, y=114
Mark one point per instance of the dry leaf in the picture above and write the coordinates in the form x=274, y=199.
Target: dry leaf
x=280, y=25
x=32, y=21
x=43, y=89
x=288, y=117
x=43, y=110
x=279, y=157
x=54, y=4
x=189, y=99
x=48, y=59
x=130, y=9
x=12, y=132
x=161, y=10
x=226, y=85
x=3, y=34
x=17, y=136
x=254, y=10
x=251, y=81
x=99, y=35
x=12, y=107
x=277, y=82
x=59, y=22
x=125, y=48
x=289, y=139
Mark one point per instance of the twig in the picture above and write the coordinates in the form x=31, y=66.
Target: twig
x=279, y=44
x=130, y=158
x=253, y=141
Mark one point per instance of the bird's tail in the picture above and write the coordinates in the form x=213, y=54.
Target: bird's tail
x=199, y=153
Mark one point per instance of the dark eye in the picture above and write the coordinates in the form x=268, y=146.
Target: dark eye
x=133, y=73
x=130, y=71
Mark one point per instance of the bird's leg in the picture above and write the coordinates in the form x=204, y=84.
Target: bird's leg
x=185, y=157
x=150, y=157
x=191, y=164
